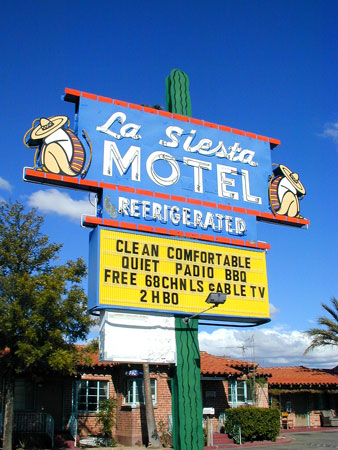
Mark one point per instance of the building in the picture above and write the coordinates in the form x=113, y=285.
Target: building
x=303, y=393
x=73, y=402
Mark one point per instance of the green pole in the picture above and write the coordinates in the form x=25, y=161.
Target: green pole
x=188, y=376
x=186, y=390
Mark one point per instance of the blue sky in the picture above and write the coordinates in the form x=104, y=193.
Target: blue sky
x=267, y=67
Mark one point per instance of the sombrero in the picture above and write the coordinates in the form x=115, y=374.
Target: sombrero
x=48, y=126
x=293, y=177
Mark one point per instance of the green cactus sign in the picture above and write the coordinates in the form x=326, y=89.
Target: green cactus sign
x=177, y=93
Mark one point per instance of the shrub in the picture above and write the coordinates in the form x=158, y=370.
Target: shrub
x=164, y=434
x=257, y=424
x=205, y=436
x=106, y=418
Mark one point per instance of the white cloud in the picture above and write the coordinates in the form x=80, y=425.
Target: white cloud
x=54, y=201
x=268, y=346
x=273, y=310
x=5, y=185
x=331, y=131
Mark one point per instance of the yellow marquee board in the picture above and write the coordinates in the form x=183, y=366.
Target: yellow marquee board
x=173, y=276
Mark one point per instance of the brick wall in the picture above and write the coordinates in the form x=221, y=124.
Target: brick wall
x=131, y=428
x=315, y=419
x=87, y=421
x=262, y=396
x=215, y=395
x=131, y=422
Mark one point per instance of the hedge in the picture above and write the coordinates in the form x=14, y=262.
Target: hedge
x=257, y=424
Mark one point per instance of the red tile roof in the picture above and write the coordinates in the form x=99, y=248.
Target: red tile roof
x=220, y=365
x=94, y=356
x=210, y=364
x=277, y=376
x=299, y=376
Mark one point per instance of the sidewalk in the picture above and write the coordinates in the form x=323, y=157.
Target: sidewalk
x=224, y=445
x=283, y=438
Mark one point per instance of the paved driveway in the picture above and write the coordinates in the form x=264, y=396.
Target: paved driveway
x=300, y=441
x=307, y=441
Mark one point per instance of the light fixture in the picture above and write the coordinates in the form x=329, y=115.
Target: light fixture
x=215, y=299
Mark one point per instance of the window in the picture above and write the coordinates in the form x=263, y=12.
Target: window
x=210, y=394
x=321, y=401
x=239, y=392
x=23, y=395
x=91, y=393
x=135, y=391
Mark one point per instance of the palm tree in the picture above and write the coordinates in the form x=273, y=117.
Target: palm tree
x=328, y=335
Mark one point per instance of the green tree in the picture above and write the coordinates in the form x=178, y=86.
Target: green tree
x=43, y=307
x=328, y=334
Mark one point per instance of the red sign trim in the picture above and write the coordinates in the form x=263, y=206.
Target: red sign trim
x=72, y=94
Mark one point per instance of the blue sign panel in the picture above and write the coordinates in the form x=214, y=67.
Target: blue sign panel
x=175, y=172
x=163, y=214
x=158, y=172
x=142, y=150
